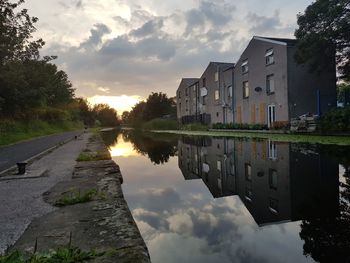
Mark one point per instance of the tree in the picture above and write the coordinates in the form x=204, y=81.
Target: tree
x=136, y=113
x=324, y=33
x=158, y=105
x=125, y=117
x=343, y=93
x=106, y=115
x=27, y=81
x=16, y=29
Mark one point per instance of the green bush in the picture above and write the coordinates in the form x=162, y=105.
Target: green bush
x=13, y=131
x=161, y=124
x=194, y=127
x=336, y=120
x=239, y=126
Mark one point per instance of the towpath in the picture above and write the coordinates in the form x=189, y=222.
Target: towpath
x=21, y=198
x=11, y=154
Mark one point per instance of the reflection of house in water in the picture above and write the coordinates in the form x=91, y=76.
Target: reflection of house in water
x=276, y=181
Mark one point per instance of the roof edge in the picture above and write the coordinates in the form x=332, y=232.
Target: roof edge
x=270, y=40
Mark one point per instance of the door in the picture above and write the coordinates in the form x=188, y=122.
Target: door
x=271, y=115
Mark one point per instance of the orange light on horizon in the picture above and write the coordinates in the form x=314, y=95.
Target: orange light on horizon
x=119, y=103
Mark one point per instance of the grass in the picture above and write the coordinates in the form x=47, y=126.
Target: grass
x=65, y=254
x=298, y=138
x=77, y=198
x=15, y=131
x=87, y=156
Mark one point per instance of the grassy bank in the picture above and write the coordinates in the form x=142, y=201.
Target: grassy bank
x=339, y=140
x=15, y=131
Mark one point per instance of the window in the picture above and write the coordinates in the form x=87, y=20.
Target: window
x=217, y=95
x=273, y=205
x=245, y=66
x=248, y=171
x=216, y=76
x=273, y=178
x=269, y=59
x=179, y=94
x=260, y=174
x=204, y=100
x=272, y=150
x=270, y=84
x=248, y=193
x=218, y=165
x=217, y=114
x=204, y=82
x=245, y=89
x=180, y=106
x=187, y=105
x=186, y=91
x=229, y=91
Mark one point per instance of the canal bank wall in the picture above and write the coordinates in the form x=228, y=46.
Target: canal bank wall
x=91, y=213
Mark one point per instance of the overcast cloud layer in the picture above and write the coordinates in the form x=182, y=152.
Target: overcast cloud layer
x=115, y=47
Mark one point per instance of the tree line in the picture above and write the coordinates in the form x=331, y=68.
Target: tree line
x=31, y=86
x=157, y=105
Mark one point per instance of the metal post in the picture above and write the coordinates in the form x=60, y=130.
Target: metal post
x=21, y=168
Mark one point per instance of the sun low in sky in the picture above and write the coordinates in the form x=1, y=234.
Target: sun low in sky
x=120, y=103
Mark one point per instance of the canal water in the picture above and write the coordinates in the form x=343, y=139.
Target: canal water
x=206, y=199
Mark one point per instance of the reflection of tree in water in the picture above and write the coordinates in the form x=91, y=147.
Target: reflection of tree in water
x=110, y=138
x=328, y=239
x=157, y=147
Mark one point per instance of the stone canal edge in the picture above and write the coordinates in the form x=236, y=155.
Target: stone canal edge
x=92, y=213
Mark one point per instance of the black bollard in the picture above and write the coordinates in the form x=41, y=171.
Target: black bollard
x=21, y=168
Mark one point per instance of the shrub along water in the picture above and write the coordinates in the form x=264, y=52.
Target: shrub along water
x=337, y=120
x=239, y=126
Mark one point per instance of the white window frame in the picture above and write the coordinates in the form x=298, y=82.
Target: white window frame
x=245, y=90
x=217, y=94
x=229, y=91
x=270, y=82
x=268, y=55
x=272, y=150
x=245, y=67
x=271, y=114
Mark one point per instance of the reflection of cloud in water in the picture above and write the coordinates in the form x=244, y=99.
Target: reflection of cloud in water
x=163, y=199
x=220, y=230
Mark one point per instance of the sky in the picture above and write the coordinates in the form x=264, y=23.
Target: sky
x=119, y=51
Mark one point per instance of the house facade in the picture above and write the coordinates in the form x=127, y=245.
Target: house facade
x=208, y=99
x=265, y=86
x=271, y=87
x=276, y=181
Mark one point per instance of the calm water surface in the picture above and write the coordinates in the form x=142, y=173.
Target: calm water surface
x=202, y=199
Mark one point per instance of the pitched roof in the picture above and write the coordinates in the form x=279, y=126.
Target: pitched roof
x=224, y=65
x=189, y=81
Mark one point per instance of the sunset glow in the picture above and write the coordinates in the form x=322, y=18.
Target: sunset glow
x=120, y=103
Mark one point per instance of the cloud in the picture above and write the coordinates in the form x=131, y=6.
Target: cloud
x=272, y=25
x=136, y=47
x=149, y=28
x=96, y=34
